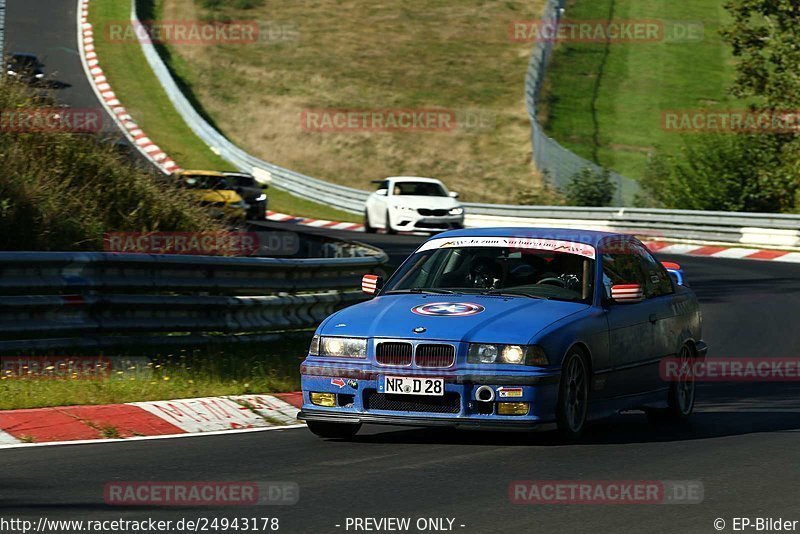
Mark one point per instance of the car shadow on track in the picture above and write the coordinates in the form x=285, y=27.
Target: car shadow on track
x=722, y=412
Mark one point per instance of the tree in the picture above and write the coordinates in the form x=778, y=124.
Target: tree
x=764, y=35
x=590, y=188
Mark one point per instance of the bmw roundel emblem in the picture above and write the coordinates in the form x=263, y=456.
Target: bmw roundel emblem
x=448, y=309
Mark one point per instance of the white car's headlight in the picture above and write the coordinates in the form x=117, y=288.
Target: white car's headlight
x=406, y=208
x=456, y=211
x=511, y=354
x=341, y=347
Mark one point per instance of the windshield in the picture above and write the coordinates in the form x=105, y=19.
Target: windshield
x=242, y=181
x=423, y=189
x=199, y=181
x=499, y=270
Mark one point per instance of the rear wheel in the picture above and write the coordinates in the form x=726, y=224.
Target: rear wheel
x=681, y=395
x=573, y=396
x=334, y=430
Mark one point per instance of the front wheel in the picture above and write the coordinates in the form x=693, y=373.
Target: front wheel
x=334, y=430
x=573, y=396
x=389, y=229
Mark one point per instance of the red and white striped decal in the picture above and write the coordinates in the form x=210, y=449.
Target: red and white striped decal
x=623, y=292
x=369, y=284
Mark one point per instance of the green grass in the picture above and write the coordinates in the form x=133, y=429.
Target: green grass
x=606, y=103
x=138, y=89
x=165, y=374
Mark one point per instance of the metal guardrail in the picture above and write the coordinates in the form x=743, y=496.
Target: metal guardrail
x=748, y=229
x=763, y=230
x=48, y=294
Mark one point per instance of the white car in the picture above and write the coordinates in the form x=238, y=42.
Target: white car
x=412, y=204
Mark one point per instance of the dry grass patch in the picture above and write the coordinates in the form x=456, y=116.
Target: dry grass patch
x=348, y=54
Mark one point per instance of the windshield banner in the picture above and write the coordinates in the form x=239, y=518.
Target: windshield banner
x=514, y=243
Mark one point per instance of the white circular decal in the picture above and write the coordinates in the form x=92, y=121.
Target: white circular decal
x=448, y=309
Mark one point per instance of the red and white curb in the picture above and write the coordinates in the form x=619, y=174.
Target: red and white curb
x=153, y=418
x=316, y=223
x=107, y=97
x=739, y=253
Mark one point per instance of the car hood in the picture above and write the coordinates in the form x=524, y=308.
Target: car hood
x=513, y=320
x=217, y=195
x=414, y=201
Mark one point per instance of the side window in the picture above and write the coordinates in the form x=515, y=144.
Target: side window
x=384, y=184
x=621, y=267
x=657, y=280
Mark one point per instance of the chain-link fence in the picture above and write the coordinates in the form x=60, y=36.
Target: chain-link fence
x=556, y=162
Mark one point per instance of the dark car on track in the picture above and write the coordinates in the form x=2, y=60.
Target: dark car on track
x=251, y=192
x=24, y=67
x=509, y=328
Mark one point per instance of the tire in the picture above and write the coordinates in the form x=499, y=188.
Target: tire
x=368, y=228
x=389, y=229
x=573, y=396
x=343, y=431
x=681, y=394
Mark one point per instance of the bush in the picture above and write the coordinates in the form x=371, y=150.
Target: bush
x=63, y=191
x=541, y=195
x=590, y=188
x=725, y=172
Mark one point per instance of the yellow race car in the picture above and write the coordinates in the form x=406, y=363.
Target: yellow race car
x=214, y=192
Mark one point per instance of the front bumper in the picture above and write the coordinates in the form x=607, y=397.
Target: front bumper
x=405, y=221
x=356, y=392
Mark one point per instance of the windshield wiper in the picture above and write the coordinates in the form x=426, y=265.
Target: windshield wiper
x=432, y=290
x=502, y=293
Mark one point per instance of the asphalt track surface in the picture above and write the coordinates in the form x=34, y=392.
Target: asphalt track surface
x=742, y=443
x=48, y=28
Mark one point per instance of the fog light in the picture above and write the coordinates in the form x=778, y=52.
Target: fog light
x=323, y=399
x=512, y=408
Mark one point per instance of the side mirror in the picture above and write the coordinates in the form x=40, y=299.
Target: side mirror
x=674, y=271
x=371, y=283
x=382, y=192
x=453, y=194
x=627, y=293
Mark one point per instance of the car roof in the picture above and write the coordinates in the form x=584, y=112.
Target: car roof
x=414, y=179
x=591, y=237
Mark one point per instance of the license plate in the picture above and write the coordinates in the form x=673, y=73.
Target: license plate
x=413, y=386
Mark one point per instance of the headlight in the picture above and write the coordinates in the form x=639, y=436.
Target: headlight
x=456, y=211
x=511, y=354
x=343, y=347
x=482, y=354
x=39, y=76
x=261, y=197
x=406, y=208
